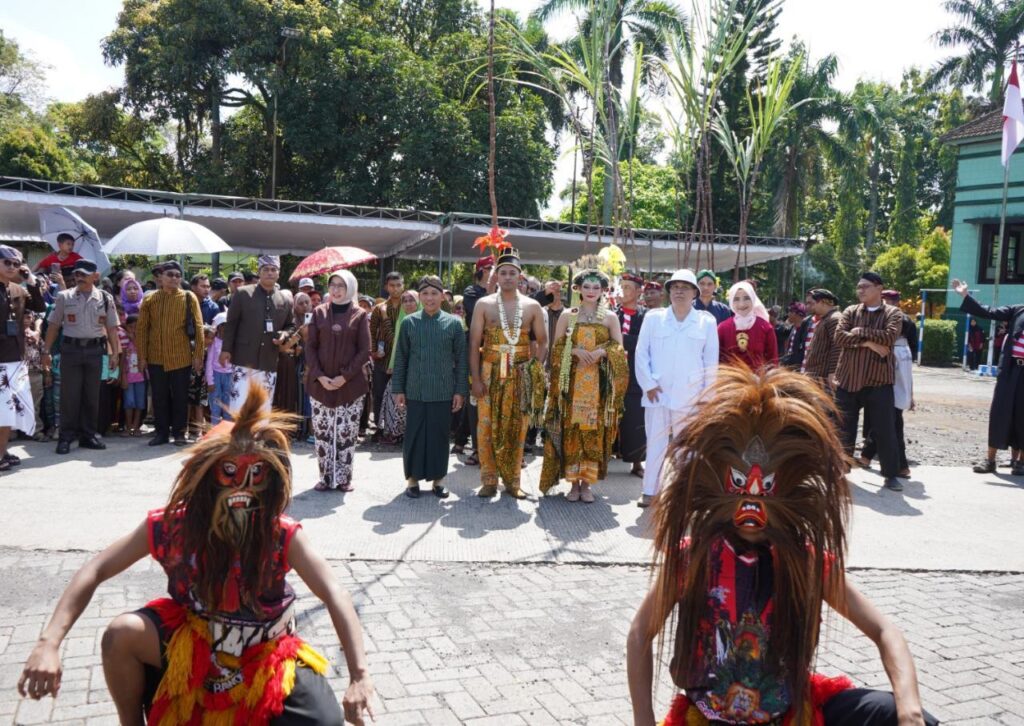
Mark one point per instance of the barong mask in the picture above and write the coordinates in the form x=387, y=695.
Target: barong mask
x=233, y=487
x=751, y=485
x=760, y=464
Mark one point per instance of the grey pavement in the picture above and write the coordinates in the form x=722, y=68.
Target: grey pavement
x=515, y=612
x=947, y=518
x=505, y=643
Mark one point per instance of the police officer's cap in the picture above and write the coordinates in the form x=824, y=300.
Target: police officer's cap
x=84, y=265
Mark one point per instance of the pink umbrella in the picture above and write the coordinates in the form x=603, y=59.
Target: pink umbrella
x=331, y=259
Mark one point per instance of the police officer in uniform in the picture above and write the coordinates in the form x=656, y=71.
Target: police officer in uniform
x=89, y=321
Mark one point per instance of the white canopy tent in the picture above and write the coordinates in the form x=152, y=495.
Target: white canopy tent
x=280, y=226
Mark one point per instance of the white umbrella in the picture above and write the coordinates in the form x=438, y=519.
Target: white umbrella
x=55, y=221
x=165, y=236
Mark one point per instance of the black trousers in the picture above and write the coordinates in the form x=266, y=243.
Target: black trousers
x=865, y=707
x=380, y=382
x=170, y=399
x=80, y=370
x=870, y=448
x=878, y=403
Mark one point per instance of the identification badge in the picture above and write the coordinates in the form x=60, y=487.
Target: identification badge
x=336, y=328
x=11, y=330
x=268, y=325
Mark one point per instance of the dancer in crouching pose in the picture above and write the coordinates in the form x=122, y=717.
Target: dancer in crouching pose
x=222, y=649
x=750, y=536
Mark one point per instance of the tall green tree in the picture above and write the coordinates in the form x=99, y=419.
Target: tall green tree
x=988, y=32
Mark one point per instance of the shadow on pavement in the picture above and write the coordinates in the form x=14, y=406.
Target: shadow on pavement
x=312, y=504
x=574, y=521
x=885, y=502
x=1007, y=480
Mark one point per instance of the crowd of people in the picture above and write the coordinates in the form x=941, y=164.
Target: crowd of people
x=741, y=426
x=502, y=371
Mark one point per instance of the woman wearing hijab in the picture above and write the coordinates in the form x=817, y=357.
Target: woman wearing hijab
x=747, y=337
x=392, y=416
x=337, y=348
x=131, y=296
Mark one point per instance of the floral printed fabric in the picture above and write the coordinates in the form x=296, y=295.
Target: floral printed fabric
x=335, y=431
x=583, y=423
x=243, y=377
x=16, y=408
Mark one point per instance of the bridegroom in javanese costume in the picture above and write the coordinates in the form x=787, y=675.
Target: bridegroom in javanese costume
x=508, y=383
x=223, y=648
x=750, y=540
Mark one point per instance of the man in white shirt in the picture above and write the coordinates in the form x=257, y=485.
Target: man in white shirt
x=676, y=359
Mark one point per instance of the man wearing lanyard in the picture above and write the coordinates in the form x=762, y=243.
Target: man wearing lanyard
x=89, y=321
x=256, y=315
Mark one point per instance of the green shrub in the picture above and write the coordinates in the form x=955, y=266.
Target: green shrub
x=940, y=346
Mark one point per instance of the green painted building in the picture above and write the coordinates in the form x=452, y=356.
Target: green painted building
x=979, y=190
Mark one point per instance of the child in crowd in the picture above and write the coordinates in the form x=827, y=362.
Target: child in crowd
x=133, y=378
x=198, y=394
x=36, y=375
x=218, y=377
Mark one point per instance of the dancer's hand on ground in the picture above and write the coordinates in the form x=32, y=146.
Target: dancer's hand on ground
x=42, y=673
x=457, y=401
x=960, y=287
x=652, y=395
x=357, y=700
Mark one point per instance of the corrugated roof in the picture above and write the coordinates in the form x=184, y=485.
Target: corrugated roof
x=988, y=125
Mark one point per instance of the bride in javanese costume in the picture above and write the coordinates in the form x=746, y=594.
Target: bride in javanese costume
x=589, y=375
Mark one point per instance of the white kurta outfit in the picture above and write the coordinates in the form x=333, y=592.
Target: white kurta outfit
x=681, y=357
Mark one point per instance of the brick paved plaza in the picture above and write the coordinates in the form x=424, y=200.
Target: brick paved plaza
x=508, y=612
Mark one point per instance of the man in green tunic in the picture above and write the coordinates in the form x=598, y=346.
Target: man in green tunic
x=430, y=380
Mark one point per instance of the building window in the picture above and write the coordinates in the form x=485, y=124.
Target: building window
x=1012, y=252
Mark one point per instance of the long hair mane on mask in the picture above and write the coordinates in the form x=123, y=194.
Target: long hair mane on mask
x=218, y=518
x=778, y=422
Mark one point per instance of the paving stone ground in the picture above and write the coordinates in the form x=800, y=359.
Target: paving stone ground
x=508, y=644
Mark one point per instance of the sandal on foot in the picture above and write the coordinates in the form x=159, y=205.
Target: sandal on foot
x=487, y=491
x=346, y=487
x=586, y=495
x=985, y=467
x=573, y=495
x=637, y=471
x=321, y=487
x=472, y=460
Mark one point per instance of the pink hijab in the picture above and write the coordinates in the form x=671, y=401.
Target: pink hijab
x=745, y=322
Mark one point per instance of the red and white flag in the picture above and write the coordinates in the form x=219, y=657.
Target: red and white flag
x=1013, y=115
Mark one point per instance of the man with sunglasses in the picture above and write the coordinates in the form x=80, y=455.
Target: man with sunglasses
x=88, y=319
x=170, y=342
x=17, y=409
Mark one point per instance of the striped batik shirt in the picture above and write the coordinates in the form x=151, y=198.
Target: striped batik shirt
x=861, y=367
x=430, y=361
x=160, y=332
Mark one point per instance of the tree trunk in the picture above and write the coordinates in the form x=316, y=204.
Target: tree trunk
x=869, y=236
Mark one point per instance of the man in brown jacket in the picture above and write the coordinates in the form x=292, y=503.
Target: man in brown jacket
x=822, y=350
x=257, y=314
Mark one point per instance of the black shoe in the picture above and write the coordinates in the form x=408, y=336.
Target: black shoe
x=92, y=443
x=440, y=492
x=63, y=447
x=1017, y=470
x=159, y=440
x=985, y=467
x=181, y=440
x=412, y=492
x=893, y=484
x=11, y=459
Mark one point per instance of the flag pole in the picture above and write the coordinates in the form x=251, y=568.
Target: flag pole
x=998, y=244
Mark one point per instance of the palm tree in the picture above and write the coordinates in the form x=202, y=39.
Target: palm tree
x=804, y=141
x=648, y=23
x=989, y=30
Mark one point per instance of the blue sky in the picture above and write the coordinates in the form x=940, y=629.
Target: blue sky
x=873, y=38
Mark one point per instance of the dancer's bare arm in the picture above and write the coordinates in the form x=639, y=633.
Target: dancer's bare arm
x=540, y=330
x=42, y=672
x=476, y=337
x=316, y=573
x=640, y=663
x=893, y=649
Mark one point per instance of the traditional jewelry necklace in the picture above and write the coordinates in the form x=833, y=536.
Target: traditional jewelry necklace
x=511, y=335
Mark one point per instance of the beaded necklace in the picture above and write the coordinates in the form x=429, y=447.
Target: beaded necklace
x=511, y=335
